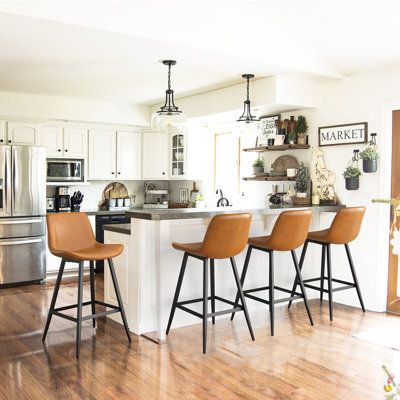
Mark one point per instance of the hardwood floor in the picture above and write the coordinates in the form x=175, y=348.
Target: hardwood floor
x=300, y=362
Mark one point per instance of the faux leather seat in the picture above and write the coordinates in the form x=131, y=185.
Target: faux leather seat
x=226, y=236
x=344, y=229
x=289, y=232
x=70, y=236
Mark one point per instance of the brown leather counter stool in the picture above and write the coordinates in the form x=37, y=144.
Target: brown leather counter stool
x=344, y=229
x=226, y=237
x=289, y=233
x=71, y=238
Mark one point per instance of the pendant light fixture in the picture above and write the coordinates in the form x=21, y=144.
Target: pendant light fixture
x=246, y=116
x=169, y=117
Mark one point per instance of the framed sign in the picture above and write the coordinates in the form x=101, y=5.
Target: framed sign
x=266, y=129
x=343, y=134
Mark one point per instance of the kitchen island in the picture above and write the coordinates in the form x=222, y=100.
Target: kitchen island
x=148, y=268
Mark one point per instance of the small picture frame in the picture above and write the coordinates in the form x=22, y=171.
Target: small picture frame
x=266, y=129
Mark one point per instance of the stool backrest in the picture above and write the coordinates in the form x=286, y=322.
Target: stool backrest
x=290, y=230
x=69, y=232
x=346, y=225
x=226, y=235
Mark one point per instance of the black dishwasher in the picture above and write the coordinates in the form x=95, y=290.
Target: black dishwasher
x=105, y=220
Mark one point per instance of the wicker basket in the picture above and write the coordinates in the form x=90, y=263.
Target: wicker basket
x=301, y=201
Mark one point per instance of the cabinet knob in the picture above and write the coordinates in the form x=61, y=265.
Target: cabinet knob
x=9, y=141
x=119, y=173
x=65, y=150
x=112, y=173
x=59, y=149
x=1, y=140
x=163, y=173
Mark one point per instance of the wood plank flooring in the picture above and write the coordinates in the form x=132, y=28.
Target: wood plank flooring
x=300, y=362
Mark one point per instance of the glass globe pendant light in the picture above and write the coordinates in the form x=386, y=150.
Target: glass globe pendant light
x=169, y=118
x=246, y=116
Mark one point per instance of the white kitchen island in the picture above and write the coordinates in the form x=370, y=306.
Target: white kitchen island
x=148, y=268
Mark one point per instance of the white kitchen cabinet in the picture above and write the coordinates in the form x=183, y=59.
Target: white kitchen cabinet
x=129, y=160
x=177, y=153
x=63, y=142
x=102, y=155
x=75, y=142
x=3, y=132
x=155, y=155
x=22, y=133
x=51, y=137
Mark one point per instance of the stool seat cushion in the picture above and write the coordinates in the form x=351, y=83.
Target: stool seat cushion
x=260, y=241
x=191, y=248
x=98, y=251
x=319, y=236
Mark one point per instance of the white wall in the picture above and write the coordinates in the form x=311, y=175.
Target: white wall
x=22, y=105
x=366, y=97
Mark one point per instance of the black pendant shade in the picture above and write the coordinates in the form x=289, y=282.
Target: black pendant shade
x=246, y=116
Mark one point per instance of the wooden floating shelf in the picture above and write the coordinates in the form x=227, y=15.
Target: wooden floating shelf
x=281, y=147
x=269, y=178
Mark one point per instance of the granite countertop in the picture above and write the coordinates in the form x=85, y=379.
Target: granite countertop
x=119, y=228
x=187, y=213
x=106, y=212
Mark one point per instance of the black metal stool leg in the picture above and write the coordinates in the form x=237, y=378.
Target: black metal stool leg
x=212, y=288
x=205, y=303
x=79, y=310
x=296, y=282
x=271, y=290
x=241, y=295
x=92, y=292
x=54, y=299
x=303, y=290
x=322, y=282
x=177, y=291
x=119, y=298
x=328, y=250
x=243, y=277
x=353, y=272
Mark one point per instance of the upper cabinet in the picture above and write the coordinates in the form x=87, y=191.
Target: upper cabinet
x=63, y=142
x=114, y=155
x=177, y=169
x=22, y=133
x=155, y=155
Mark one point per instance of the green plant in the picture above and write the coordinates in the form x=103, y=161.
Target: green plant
x=292, y=136
x=259, y=162
x=302, y=178
x=352, y=172
x=301, y=125
x=199, y=197
x=370, y=153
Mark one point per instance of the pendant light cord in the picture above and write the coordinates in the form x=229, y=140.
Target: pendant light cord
x=248, y=88
x=169, y=76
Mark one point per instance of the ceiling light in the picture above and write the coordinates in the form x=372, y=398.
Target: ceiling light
x=169, y=117
x=246, y=116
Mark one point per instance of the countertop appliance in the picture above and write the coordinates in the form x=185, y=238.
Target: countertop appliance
x=22, y=214
x=50, y=204
x=65, y=170
x=103, y=220
x=62, y=199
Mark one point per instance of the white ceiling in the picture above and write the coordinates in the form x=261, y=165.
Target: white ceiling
x=111, y=49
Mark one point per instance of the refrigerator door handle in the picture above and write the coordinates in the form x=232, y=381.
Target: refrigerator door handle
x=20, y=221
x=7, y=179
x=12, y=243
x=14, y=178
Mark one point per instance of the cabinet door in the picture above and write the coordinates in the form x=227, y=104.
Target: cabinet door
x=155, y=155
x=22, y=133
x=51, y=137
x=177, y=151
x=3, y=131
x=75, y=140
x=101, y=154
x=129, y=155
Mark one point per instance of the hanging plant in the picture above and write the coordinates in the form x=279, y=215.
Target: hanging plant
x=370, y=156
x=352, y=173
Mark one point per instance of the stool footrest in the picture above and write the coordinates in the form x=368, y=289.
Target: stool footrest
x=181, y=306
x=260, y=299
x=346, y=285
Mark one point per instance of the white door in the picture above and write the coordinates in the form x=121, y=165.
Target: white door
x=75, y=140
x=102, y=154
x=22, y=133
x=155, y=155
x=51, y=137
x=129, y=155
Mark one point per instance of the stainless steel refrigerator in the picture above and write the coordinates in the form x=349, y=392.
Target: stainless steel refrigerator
x=22, y=214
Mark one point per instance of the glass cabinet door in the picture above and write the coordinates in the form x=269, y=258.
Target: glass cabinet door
x=178, y=162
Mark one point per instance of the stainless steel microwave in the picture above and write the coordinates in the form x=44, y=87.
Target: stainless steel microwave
x=65, y=170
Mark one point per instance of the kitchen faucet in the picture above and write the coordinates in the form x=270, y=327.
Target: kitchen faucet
x=222, y=201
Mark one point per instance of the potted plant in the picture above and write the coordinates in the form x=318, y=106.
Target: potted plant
x=302, y=181
x=352, y=177
x=370, y=159
x=301, y=129
x=258, y=166
x=200, y=202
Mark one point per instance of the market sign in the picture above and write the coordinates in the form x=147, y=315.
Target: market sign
x=343, y=134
